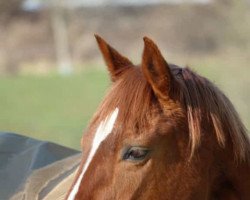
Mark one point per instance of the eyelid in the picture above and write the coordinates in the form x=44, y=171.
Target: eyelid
x=125, y=149
x=129, y=149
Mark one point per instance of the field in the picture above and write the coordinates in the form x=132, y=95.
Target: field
x=58, y=108
x=51, y=107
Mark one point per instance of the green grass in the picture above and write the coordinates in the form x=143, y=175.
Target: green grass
x=58, y=108
x=51, y=108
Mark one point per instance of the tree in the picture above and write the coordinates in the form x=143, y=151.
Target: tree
x=10, y=8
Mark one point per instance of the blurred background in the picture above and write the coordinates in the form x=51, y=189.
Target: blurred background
x=52, y=76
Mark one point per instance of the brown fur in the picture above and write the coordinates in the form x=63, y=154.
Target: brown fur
x=200, y=148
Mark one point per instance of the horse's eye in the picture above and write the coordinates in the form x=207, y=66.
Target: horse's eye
x=135, y=153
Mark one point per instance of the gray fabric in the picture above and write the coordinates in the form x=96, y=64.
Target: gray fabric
x=51, y=182
x=20, y=156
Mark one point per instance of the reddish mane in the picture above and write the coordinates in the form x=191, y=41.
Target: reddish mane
x=202, y=100
x=205, y=103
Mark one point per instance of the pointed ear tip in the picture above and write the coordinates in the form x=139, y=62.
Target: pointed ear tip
x=146, y=39
x=98, y=38
x=148, y=42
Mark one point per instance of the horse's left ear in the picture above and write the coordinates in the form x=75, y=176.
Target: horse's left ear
x=157, y=71
x=115, y=62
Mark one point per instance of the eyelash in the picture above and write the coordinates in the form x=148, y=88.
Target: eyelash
x=135, y=154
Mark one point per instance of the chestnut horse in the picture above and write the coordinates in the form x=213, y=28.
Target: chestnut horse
x=162, y=132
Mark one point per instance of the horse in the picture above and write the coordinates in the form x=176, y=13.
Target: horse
x=162, y=132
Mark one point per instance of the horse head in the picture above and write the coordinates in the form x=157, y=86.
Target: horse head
x=161, y=132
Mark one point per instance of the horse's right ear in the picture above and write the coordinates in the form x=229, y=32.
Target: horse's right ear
x=115, y=62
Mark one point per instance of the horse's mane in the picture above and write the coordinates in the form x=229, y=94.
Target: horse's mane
x=203, y=101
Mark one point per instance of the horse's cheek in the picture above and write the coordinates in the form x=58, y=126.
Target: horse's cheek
x=133, y=179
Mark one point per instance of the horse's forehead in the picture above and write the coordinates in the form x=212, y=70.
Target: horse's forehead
x=104, y=129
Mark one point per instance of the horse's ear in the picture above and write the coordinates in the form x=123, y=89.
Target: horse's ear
x=157, y=71
x=115, y=62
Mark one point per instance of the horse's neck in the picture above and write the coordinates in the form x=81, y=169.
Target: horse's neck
x=239, y=176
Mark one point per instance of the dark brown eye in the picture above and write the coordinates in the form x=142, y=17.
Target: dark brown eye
x=135, y=153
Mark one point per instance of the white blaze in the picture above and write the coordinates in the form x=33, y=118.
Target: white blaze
x=104, y=129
